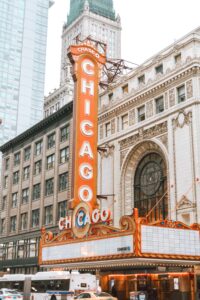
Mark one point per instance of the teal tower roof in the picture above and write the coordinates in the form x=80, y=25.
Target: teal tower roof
x=100, y=7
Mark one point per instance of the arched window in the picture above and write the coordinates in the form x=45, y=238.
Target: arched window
x=150, y=185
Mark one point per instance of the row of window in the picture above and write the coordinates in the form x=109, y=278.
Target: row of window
x=63, y=184
x=141, y=114
x=51, y=139
x=19, y=249
x=35, y=218
x=50, y=162
x=142, y=80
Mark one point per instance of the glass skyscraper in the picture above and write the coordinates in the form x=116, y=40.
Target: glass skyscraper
x=23, y=35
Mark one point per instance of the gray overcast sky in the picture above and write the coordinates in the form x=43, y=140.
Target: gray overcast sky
x=148, y=26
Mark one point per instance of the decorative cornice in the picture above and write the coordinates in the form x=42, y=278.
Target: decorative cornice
x=142, y=134
x=150, y=90
x=100, y=230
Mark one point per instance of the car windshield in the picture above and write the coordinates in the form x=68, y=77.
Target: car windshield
x=11, y=292
x=102, y=294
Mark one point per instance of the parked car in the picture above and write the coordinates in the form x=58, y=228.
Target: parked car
x=95, y=296
x=10, y=294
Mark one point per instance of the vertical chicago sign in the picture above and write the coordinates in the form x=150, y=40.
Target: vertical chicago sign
x=87, y=63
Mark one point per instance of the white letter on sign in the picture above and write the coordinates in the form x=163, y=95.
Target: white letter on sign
x=86, y=171
x=87, y=107
x=86, y=150
x=88, y=67
x=84, y=125
x=85, y=193
x=87, y=85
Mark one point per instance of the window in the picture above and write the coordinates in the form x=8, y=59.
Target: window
x=36, y=191
x=108, y=129
x=48, y=215
x=37, y=167
x=16, y=158
x=150, y=184
x=124, y=121
x=51, y=140
x=141, y=113
x=64, y=155
x=24, y=221
x=63, y=181
x=38, y=148
x=110, y=96
x=16, y=177
x=13, y=223
x=62, y=209
x=27, y=153
x=159, y=69
x=159, y=105
x=7, y=163
x=141, y=79
x=125, y=88
x=177, y=58
x=4, y=201
x=5, y=182
x=181, y=93
x=49, y=187
x=26, y=173
x=25, y=196
x=35, y=218
x=64, y=133
x=21, y=248
x=50, y=161
x=3, y=226
x=14, y=199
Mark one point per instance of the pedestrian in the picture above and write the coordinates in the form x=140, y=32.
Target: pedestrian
x=99, y=289
x=114, y=291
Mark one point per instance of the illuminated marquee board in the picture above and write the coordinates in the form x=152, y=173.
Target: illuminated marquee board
x=95, y=248
x=87, y=62
x=172, y=241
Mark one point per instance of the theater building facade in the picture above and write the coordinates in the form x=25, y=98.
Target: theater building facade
x=148, y=179
x=149, y=127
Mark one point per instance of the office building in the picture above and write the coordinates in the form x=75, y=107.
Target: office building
x=23, y=35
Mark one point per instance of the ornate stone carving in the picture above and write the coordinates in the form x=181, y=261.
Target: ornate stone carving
x=182, y=119
x=171, y=97
x=122, y=155
x=168, y=70
x=131, y=117
x=188, y=59
x=164, y=139
x=118, y=124
x=142, y=134
x=113, y=125
x=189, y=89
x=166, y=100
x=184, y=203
x=101, y=132
x=149, y=109
x=106, y=150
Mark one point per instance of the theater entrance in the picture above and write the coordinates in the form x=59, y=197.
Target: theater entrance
x=160, y=286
